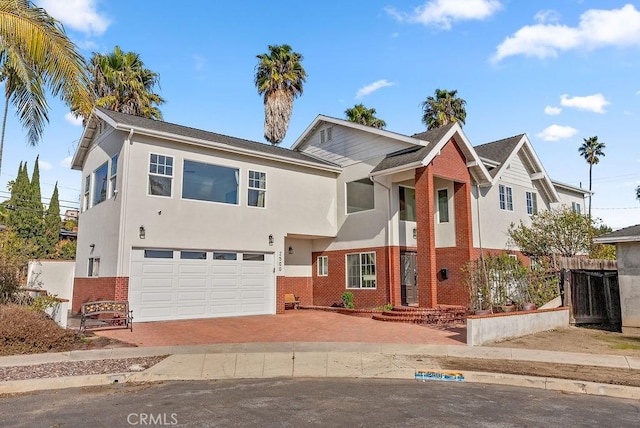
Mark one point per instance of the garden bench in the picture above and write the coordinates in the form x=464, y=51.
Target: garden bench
x=291, y=300
x=106, y=313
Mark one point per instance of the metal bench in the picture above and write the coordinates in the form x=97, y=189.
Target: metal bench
x=106, y=313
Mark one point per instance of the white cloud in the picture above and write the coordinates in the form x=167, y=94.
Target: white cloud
x=557, y=132
x=44, y=165
x=595, y=103
x=373, y=87
x=75, y=121
x=597, y=28
x=80, y=15
x=66, y=162
x=547, y=16
x=442, y=13
x=552, y=111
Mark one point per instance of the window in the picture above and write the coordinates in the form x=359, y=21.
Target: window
x=326, y=134
x=100, y=184
x=506, y=197
x=407, y=204
x=257, y=189
x=532, y=203
x=94, y=266
x=361, y=270
x=360, y=196
x=160, y=175
x=87, y=187
x=193, y=255
x=212, y=183
x=323, y=265
x=576, y=207
x=225, y=256
x=253, y=257
x=158, y=254
x=112, y=176
x=443, y=206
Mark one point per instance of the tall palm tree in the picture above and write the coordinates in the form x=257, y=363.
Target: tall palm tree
x=590, y=150
x=279, y=78
x=35, y=53
x=445, y=108
x=364, y=116
x=638, y=193
x=122, y=83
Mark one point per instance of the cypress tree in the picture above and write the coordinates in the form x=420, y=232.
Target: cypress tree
x=52, y=224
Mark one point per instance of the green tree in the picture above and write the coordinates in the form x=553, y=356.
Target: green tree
x=601, y=251
x=35, y=53
x=638, y=193
x=52, y=224
x=279, y=78
x=590, y=150
x=557, y=231
x=364, y=116
x=121, y=83
x=443, y=109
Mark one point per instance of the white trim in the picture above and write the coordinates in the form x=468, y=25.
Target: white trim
x=346, y=271
x=249, y=170
x=172, y=176
x=325, y=264
x=446, y=189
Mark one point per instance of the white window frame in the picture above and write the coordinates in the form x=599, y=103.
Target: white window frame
x=505, y=196
x=257, y=189
x=113, y=174
x=445, y=189
x=361, y=276
x=95, y=202
x=93, y=267
x=156, y=174
x=346, y=197
x=323, y=265
x=576, y=207
x=532, y=203
x=87, y=193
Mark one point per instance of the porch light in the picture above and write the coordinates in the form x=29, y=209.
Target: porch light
x=143, y=232
x=270, y=240
x=290, y=250
x=415, y=233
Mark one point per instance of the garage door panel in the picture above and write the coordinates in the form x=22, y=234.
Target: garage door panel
x=165, y=289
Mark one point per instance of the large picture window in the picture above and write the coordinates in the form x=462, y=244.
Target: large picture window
x=407, y=204
x=443, y=206
x=100, y=184
x=160, y=175
x=257, y=191
x=212, y=183
x=361, y=270
x=360, y=196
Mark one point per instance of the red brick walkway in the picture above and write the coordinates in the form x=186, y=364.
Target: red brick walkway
x=293, y=326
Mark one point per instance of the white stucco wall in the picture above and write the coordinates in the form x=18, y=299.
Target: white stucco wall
x=628, y=258
x=54, y=276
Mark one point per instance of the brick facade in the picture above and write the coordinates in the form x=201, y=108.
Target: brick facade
x=99, y=288
x=302, y=287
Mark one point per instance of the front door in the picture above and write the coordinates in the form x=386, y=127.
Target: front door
x=409, y=276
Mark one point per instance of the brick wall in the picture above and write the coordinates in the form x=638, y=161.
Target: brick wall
x=300, y=286
x=425, y=211
x=100, y=288
x=328, y=289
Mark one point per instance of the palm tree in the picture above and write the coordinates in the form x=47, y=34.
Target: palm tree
x=36, y=53
x=445, y=108
x=279, y=77
x=590, y=150
x=638, y=193
x=364, y=116
x=122, y=83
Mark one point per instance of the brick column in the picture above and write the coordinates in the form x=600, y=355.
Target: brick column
x=425, y=212
x=462, y=210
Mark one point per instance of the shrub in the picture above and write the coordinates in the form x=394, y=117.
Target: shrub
x=347, y=299
x=25, y=331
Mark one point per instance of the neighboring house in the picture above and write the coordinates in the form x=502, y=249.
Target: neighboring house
x=627, y=242
x=186, y=223
x=71, y=214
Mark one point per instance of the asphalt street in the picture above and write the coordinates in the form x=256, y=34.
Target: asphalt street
x=314, y=402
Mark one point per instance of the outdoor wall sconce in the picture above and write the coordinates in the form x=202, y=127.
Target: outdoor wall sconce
x=143, y=232
x=415, y=233
x=92, y=246
x=290, y=250
x=270, y=240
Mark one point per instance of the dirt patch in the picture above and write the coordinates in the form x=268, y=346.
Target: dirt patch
x=578, y=339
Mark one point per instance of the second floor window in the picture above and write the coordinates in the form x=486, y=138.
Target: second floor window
x=100, y=184
x=160, y=175
x=506, y=197
x=257, y=191
x=532, y=203
x=360, y=196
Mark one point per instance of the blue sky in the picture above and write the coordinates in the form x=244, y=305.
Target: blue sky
x=559, y=71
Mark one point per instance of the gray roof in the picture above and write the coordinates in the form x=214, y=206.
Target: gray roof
x=625, y=234
x=185, y=131
x=498, y=151
x=413, y=154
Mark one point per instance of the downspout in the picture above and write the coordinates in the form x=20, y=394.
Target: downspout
x=124, y=165
x=389, y=239
x=484, y=268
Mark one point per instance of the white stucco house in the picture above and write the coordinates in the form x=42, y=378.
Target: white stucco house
x=186, y=223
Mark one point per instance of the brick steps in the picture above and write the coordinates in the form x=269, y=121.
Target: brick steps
x=436, y=316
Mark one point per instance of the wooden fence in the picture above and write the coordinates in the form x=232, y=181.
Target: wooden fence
x=592, y=295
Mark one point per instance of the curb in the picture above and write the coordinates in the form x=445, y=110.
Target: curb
x=547, y=383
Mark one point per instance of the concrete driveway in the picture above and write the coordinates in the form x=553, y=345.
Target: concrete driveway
x=292, y=326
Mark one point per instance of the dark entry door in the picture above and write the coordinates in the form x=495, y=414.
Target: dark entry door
x=409, y=276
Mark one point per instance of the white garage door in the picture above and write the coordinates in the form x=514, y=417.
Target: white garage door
x=177, y=284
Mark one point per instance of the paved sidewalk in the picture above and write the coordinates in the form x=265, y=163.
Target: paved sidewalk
x=304, y=359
